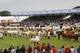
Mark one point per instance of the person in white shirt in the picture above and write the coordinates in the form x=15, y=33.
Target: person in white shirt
x=13, y=50
x=72, y=49
x=48, y=35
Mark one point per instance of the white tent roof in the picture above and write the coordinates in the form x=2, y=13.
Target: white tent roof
x=15, y=19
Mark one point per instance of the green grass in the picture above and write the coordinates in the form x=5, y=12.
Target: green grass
x=18, y=41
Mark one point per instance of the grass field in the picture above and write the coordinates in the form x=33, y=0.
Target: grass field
x=18, y=41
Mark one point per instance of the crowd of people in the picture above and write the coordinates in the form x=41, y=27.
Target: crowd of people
x=39, y=21
x=41, y=48
x=50, y=19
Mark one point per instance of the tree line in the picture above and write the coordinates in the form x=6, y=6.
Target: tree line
x=5, y=13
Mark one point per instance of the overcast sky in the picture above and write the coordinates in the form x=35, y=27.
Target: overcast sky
x=35, y=5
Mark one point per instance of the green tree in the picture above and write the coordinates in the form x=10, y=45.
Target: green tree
x=5, y=13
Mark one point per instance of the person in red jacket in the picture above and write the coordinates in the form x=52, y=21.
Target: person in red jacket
x=28, y=50
x=53, y=49
x=67, y=50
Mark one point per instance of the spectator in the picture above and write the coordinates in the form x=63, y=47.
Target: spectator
x=78, y=50
x=67, y=50
x=72, y=49
x=53, y=49
x=13, y=50
x=10, y=48
x=1, y=50
x=29, y=49
x=18, y=49
x=38, y=47
x=58, y=50
x=43, y=48
x=48, y=48
x=5, y=51
x=22, y=50
x=62, y=50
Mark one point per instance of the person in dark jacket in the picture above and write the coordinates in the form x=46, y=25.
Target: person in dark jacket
x=29, y=49
x=48, y=48
x=78, y=50
x=22, y=50
x=18, y=49
x=5, y=51
x=10, y=48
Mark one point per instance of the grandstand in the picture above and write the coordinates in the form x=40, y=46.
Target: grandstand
x=52, y=16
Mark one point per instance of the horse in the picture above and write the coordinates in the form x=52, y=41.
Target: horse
x=35, y=39
x=70, y=35
x=51, y=32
